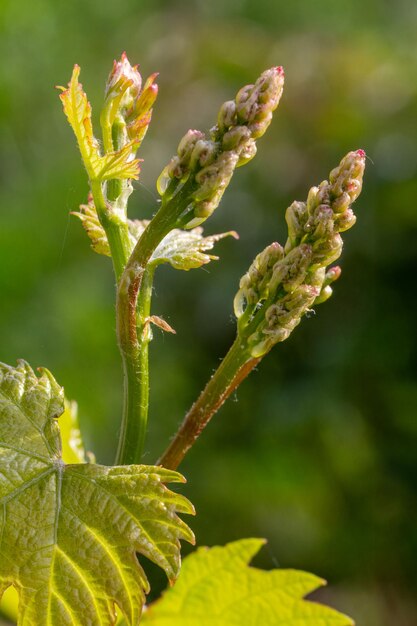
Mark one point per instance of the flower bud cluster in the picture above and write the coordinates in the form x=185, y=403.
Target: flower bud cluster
x=254, y=285
x=125, y=98
x=273, y=303
x=210, y=161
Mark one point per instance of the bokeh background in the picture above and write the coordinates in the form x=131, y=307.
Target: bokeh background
x=318, y=451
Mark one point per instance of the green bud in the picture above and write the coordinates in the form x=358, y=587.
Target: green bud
x=324, y=295
x=247, y=152
x=347, y=177
x=312, y=200
x=254, y=285
x=203, y=154
x=187, y=145
x=326, y=291
x=320, y=224
x=236, y=137
x=296, y=217
x=255, y=103
x=344, y=221
x=227, y=116
x=325, y=251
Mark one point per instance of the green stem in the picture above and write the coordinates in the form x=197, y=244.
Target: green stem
x=136, y=380
x=234, y=368
x=119, y=139
x=116, y=230
x=128, y=293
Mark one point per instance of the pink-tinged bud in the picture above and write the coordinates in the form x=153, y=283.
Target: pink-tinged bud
x=326, y=291
x=255, y=103
x=146, y=100
x=347, y=177
x=332, y=275
x=137, y=129
x=124, y=78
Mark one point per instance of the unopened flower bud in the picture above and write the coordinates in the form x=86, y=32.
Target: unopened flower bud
x=236, y=137
x=296, y=218
x=255, y=103
x=247, y=152
x=312, y=200
x=227, y=116
x=326, y=291
x=203, y=153
x=146, y=99
x=124, y=78
x=342, y=203
x=187, y=144
x=320, y=224
x=324, y=295
x=332, y=274
x=254, y=285
x=325, y=251
x=347, y=177
x=344, y=221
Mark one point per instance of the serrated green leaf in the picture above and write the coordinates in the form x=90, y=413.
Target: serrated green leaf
x=78, y=111
x=69, y=533
x=216, y=586
x=183, y=249
x=91, y=224
x=186, y=249
x=119, y=164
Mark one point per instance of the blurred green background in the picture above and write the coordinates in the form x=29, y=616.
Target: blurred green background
x=318, y=451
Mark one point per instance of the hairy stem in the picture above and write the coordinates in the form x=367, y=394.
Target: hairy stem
x=234, y=368
x=128, y=295
x=136, y=381
x=115, y=228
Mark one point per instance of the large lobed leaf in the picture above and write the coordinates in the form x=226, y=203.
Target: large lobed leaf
x=69, y=533
x=216, y=587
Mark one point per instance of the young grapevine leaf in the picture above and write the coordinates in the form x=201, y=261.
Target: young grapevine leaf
x=117, y=164
x=187, y=249
x=216, y=586
x=183, y=249
x=69, y=533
